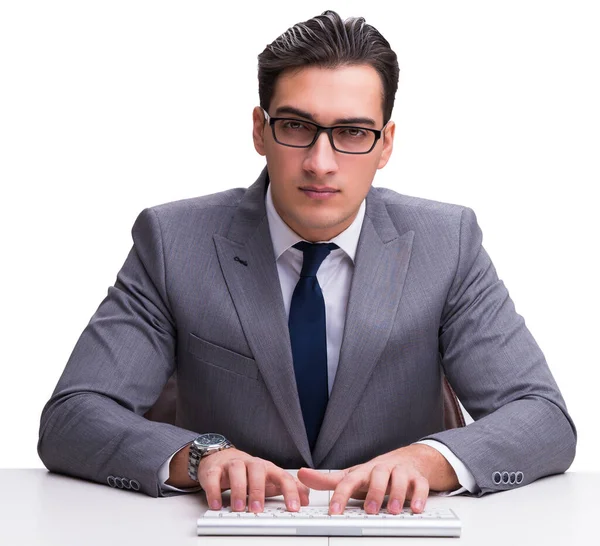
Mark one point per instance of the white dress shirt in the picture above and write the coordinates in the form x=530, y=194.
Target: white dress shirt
x=335, y=277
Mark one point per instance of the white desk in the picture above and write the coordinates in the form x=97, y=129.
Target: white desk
x=40, y=508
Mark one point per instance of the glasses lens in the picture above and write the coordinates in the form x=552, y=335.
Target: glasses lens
x=291, y=132
x=353, y=139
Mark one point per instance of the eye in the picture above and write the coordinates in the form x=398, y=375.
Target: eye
x=293, y=125
x=354, y=132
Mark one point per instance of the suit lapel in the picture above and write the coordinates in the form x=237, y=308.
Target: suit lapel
x=381, y=264
x=248, y=264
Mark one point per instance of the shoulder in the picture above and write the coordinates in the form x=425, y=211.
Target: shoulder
x=216, y=202
x=418, y=209
x=213, y=209
x=438, y=221
x=398, y=202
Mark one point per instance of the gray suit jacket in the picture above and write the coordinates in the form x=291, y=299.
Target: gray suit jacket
x=425, y=301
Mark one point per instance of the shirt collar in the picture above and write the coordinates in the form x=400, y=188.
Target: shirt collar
x=284, y=237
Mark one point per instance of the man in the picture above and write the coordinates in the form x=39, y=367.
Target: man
x=310, y=319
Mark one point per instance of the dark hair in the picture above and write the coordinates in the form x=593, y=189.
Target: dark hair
x=329, y=42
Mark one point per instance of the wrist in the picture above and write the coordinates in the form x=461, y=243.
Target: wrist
x=178, y=470
x=203, y=446
x=433, y=466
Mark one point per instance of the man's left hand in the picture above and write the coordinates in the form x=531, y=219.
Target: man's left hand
x=405, y=473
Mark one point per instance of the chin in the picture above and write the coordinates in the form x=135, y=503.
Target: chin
x=329, y=225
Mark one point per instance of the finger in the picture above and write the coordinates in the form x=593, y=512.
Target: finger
x=238, y=484
x=419, y=494
x=289, y=489
x=256, y=485
x=304, y=493
x=273, y=489
x=398, y=489
x=320, y=481
x=378, y=484
x=344, y=490
x=210, y=481
x=359, y=495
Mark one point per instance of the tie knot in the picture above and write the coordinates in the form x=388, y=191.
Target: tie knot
x=314, y=254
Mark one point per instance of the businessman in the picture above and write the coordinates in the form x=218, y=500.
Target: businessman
x=310, y=319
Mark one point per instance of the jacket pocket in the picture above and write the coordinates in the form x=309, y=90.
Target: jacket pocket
x=220, y=357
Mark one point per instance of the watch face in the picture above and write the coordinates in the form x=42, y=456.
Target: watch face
x=210, y=439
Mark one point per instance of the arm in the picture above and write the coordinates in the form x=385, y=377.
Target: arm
x=500, y=375
x=92, y=426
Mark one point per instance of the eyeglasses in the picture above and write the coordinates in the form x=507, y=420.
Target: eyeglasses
x=346, y=139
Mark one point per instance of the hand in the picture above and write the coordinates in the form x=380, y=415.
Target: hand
x=250, y=477
x=402, y=474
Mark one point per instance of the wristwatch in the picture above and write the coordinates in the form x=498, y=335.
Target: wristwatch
x=203, y=446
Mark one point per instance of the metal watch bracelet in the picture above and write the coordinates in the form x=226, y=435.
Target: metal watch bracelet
x=193, y=462
x=212, y=443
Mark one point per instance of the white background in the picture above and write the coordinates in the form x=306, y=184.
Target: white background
x=108, y=107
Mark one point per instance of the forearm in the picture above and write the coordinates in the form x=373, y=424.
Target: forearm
x=91, y=436
x=178, y=470
x=532, y=436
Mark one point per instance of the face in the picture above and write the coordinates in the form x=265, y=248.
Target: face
x=317, y=191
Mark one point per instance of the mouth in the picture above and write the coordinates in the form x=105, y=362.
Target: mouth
x=319, y=192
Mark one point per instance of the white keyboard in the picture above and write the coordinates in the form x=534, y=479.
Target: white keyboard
x=315, y=520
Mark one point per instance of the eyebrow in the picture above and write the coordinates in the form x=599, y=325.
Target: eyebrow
x=340, y=121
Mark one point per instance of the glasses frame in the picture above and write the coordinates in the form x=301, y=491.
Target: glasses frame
x=323, y=129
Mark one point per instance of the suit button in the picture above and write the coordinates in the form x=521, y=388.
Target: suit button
x=126, y=483
x=134, y=485
x=497, y=477
x=505, y=477
x=513, y=478
x=119, y=482
x=519, y=477
x=111, y=481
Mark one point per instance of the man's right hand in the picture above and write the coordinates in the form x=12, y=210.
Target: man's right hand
x=248, y=477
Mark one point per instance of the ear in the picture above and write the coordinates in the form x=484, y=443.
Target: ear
x=388, y=144
x=258, y=129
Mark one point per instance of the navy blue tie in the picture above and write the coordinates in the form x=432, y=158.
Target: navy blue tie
x=308, y=337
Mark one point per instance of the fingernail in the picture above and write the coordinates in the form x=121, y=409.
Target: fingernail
x=418, y=504
x=255, y=506
x=294, y=505
x=215, y=504
x=239, y=505
x=372, y=507
x=394, y=505
x=335, y=508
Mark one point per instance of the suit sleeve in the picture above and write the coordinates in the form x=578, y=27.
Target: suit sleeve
x=93, y=426
x=499, y=373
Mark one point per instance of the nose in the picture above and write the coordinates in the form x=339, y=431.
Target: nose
x=321, y=157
